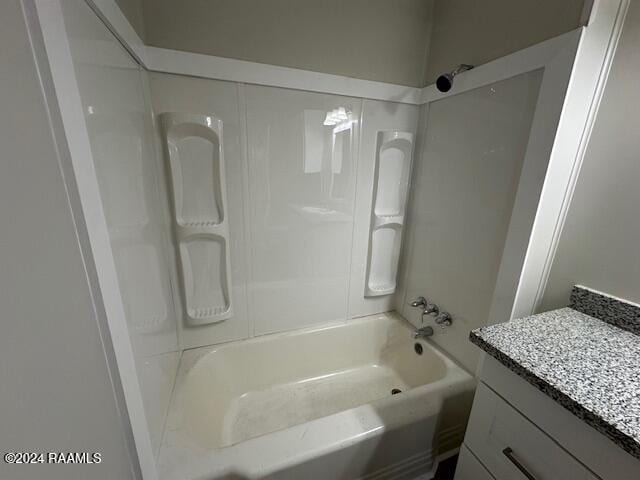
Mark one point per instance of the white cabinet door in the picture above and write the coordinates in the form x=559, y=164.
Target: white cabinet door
x=513, y=448
x=469, y=468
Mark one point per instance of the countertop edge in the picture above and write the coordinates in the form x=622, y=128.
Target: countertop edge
x=627, y=443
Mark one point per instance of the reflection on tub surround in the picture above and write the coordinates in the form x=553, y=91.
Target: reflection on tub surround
x=300, y=207
x=328, y=142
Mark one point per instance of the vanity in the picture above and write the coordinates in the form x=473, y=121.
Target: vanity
x=558, y=396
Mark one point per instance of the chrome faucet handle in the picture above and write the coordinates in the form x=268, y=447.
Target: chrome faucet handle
x=419, y=302
x=431, y=309
x=444, y=319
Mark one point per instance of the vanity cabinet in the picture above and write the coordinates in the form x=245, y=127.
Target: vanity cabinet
x=516, y=432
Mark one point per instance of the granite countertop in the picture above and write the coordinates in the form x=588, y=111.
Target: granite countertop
x=589, y=365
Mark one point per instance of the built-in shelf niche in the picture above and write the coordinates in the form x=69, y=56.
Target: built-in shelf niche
x=390, y=188
x=193, y=148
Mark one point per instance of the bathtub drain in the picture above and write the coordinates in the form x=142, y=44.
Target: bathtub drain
x=395, y=390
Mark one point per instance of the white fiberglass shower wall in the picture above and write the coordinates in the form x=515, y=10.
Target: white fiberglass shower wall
x=299, y=200
x=465, y=184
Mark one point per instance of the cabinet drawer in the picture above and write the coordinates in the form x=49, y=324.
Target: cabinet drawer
x=512, y=447
x=469, y=468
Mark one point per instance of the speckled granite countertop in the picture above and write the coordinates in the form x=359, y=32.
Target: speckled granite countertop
x=586, y=364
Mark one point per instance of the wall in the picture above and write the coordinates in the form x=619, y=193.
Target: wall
x=116, y=102
x=57, y=387
x=299, y=217
x=464, y=185
x=371, y=39
x=476, y=32
x=408, y=42
x=599, y=242
x=132, y=9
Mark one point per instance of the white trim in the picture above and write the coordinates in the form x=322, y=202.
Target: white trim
x=588, y=78
x=220, y=68
x=66, y=89
x=241, y=71
x=64, y=159
x=587, y=11
x=538, y=170
x=114, y=19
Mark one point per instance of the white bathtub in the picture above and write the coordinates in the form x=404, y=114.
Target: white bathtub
x=316, y=404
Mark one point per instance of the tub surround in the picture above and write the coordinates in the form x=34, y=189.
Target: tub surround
x=586, y=357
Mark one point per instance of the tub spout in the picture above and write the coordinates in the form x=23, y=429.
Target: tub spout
x=423, y=332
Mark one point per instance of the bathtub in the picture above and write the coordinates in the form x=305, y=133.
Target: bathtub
x=356, y=399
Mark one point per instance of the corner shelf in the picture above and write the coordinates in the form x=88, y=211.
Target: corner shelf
x=390, y=187
x=193, y=148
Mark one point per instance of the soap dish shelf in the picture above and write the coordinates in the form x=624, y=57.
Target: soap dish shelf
x=390, y=188
x=193, y=149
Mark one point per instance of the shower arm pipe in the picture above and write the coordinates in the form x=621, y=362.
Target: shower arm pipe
x=463, y=67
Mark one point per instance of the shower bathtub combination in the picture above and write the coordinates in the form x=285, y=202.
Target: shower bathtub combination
x=357, y=399
x=260, y=241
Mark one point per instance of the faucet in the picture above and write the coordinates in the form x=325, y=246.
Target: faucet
x=431, y=309
x=443, y=319
x=419, y=302
x=423, y=332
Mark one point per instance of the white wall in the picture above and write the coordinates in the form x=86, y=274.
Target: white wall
x=476, y=32
x=57, y=386
x=464, y=185
x=117, y=108
x=299, y=222
x=599, y=244
x=373, y=39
